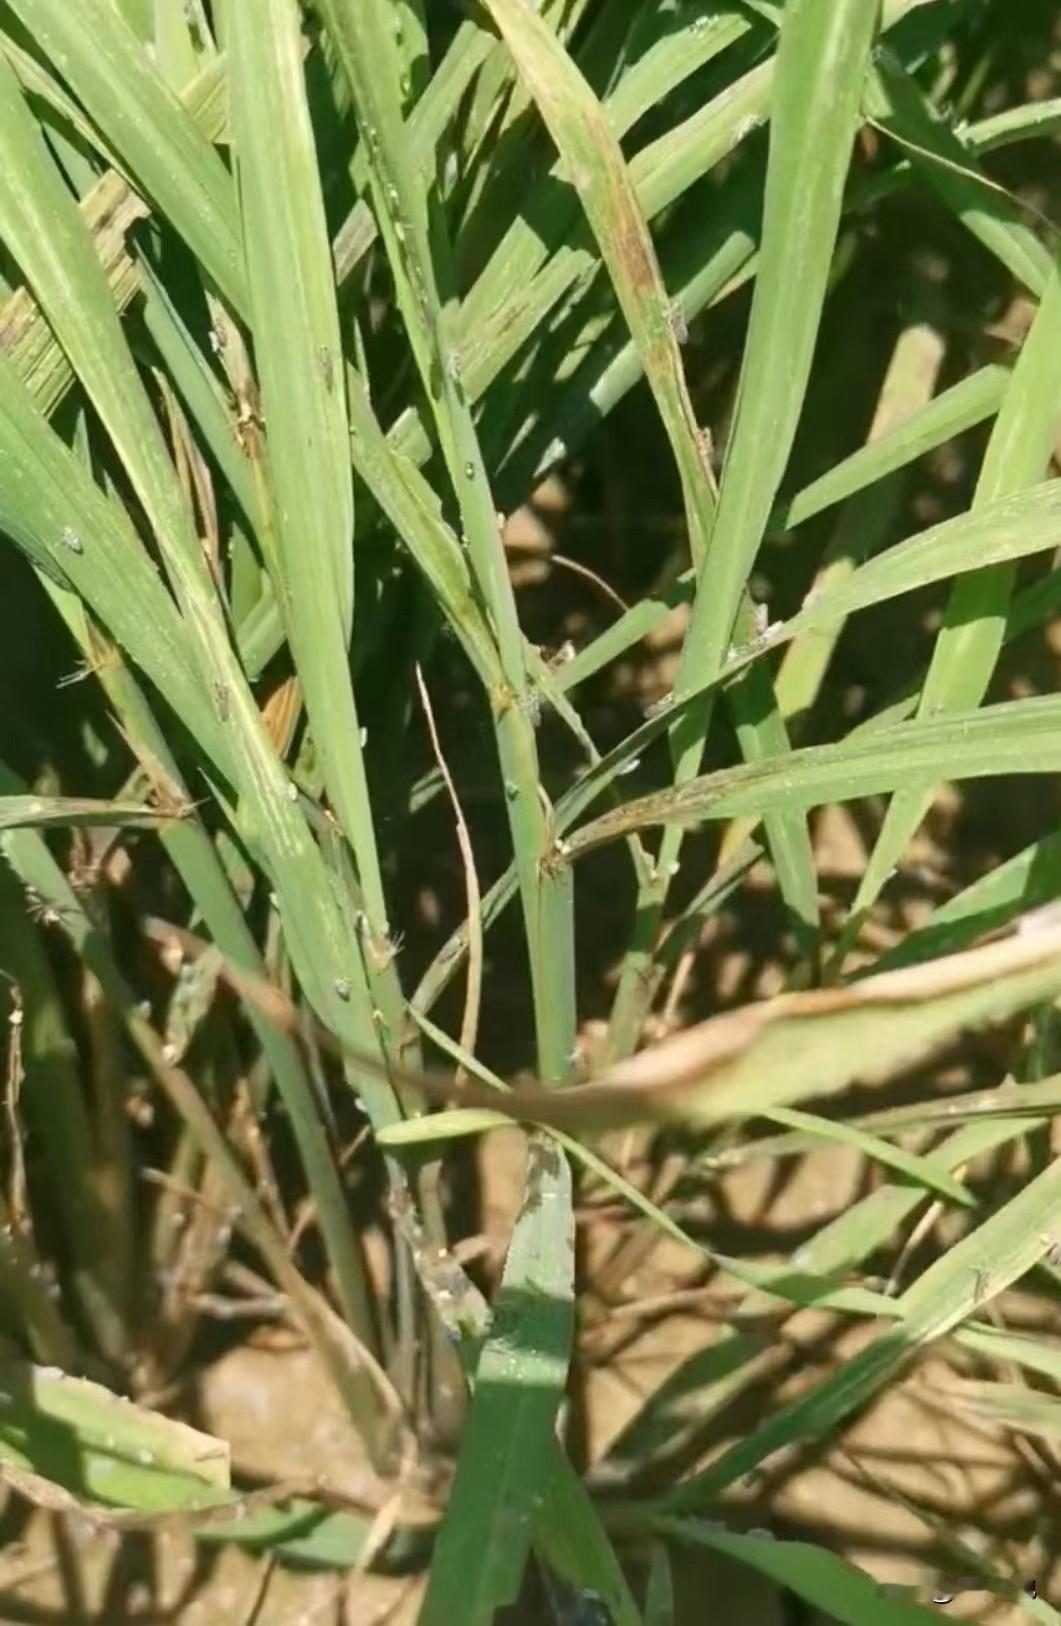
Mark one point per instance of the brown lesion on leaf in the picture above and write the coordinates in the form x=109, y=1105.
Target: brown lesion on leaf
x=634, y=248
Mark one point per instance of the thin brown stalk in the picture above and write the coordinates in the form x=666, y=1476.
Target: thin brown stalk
x=602, y=586
x=473, y=993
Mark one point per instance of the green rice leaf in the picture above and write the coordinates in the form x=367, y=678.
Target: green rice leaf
x=822, y=56
x=879, y=1151
x=49, y=812
x=98, y=1447
x=1014, y=737
x=595, y=167
x=1022, y=123
x=298, y=350
x=570, y=1537
x=506, y=1455
x=96, y=53
x=824, y=1580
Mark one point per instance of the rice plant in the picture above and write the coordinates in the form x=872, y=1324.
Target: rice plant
x=323, y=815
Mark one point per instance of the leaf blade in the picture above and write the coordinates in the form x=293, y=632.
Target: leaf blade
x=505, y=1453
x=98, y=55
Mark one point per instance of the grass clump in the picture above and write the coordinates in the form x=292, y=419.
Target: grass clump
x=529, y=546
